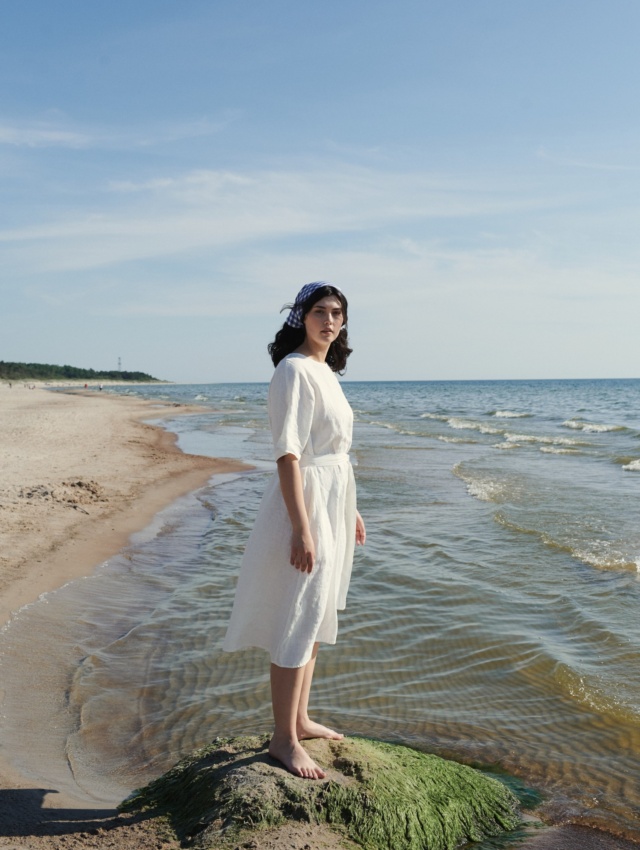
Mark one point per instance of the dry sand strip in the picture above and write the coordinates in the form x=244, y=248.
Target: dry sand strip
x=79, y=473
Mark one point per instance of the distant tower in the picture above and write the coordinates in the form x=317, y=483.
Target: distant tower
x=119, y=364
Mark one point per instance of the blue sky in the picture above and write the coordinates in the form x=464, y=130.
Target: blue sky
x=466, y=171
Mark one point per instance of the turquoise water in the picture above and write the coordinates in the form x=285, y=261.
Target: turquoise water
x=492, y=616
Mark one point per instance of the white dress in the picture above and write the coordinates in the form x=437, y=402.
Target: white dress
x=278, y=607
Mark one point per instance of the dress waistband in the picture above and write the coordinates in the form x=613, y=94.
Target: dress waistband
x=324, y=460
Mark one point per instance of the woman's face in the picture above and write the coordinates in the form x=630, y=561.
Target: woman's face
x=324, y=320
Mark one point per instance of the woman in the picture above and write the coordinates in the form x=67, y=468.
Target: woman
x=296, y=567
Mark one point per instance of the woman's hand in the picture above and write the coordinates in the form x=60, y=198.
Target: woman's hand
x=303, y=551
x=361, y=532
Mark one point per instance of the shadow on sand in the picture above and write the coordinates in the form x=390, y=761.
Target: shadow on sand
x=23, y=812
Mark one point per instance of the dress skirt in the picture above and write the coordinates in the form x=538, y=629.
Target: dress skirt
x=282, y=609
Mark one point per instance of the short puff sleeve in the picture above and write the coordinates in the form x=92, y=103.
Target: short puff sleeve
x=291, y=402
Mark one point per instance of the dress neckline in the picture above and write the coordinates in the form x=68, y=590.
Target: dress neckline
x=308, y=358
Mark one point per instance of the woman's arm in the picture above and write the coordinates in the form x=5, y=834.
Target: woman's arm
x=303, y=551
x=361, y=532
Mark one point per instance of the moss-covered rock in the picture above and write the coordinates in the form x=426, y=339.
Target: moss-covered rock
x=379, y=795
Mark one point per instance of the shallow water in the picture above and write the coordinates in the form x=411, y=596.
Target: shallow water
x=492, y=616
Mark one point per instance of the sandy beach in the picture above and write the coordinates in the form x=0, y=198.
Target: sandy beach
x=81, y=472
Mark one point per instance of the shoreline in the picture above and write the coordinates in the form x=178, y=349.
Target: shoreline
x=81, y=473
x=58, y=531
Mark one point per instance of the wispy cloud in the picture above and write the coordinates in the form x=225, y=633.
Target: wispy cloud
x=42, y=136
x=59, y=133
x=216, y=210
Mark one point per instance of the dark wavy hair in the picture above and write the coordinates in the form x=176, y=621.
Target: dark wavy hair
x=288, y=338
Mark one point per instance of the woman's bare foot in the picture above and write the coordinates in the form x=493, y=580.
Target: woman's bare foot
x=309, y=729
x=295, y=759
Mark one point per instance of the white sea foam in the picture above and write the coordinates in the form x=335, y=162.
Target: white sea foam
x=510, y=414
x=482, y=486
x=470, y=425
x=608, y=697
x=557, y=450
x=456, y=440
x=506, y=445
x=548, y=441
x=605, y=556
x=437, y=416
x=390, y=426
x=633, y=466
x=593, y=427
x=201, y=397
x=486, y=491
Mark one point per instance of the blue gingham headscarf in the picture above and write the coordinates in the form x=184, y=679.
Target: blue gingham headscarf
x=294, y=319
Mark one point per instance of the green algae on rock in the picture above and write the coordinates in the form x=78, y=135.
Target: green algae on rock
x=376, y=794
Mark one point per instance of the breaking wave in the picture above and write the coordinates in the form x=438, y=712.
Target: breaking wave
x=509, y=414
x=591, y=427
x=471, y=425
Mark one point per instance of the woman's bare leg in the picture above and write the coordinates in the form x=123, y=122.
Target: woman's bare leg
x=305, y=727
x=286, y=690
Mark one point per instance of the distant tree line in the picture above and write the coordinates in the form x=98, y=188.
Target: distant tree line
x=47, y=372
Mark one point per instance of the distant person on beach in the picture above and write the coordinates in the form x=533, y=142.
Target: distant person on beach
x=296, y=567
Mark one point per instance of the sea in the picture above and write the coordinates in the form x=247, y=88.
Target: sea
x=493, y=615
